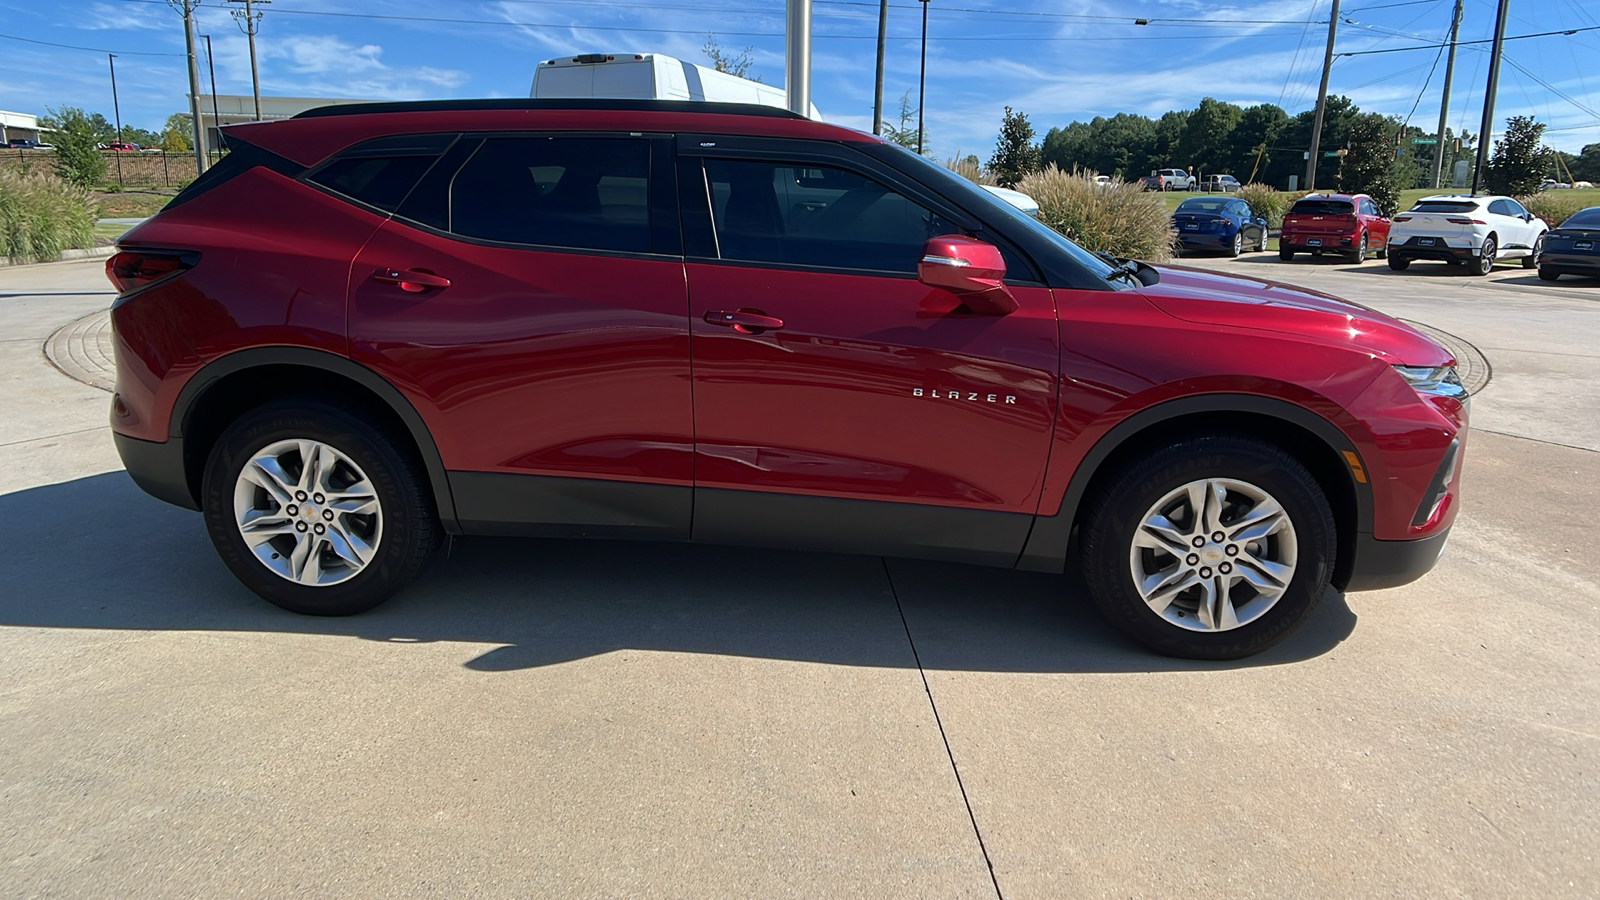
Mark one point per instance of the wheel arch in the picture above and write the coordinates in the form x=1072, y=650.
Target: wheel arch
x=1310, y=438
x=234, y=384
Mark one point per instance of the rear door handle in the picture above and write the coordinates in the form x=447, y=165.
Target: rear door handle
x=414, y=280
x=744, y=321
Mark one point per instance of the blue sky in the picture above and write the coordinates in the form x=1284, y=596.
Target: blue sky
x=1056, y=60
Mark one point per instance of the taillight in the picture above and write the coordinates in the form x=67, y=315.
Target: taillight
x=131, y=270
x=1462, y=220
x=1401, y=219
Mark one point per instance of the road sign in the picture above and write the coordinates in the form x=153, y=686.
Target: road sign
x=1331, y=154
x=1424, y=140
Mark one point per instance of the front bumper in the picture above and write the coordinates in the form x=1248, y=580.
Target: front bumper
x=157, y=468
x=1386, y=564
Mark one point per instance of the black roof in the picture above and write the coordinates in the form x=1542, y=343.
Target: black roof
x=678, y=106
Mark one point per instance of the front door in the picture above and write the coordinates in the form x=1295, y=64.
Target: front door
x=839, y=402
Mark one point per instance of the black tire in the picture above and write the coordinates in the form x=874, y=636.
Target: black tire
x=1237, y=247
x=1383, y=250
x=1261, y=241
x=1548, y=274
x=1114, y=516
x=1285, y=253
x=1399, y=263
x=1484, y=264
x=410, y=523
x=1531, y=261
x=1359, y=254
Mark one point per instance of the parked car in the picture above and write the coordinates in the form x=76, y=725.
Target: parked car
x=123, y=147
x=1475, y=231
x=1219, y=184
x=1573, y=248
x=1015, y=198
x=1104, y=181
x=1338, y=223
x=1169, y=180
x=375, y=325
x=1218, y=224
x=26, y=144
x=1550, y=184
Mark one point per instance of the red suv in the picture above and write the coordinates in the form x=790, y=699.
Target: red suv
x=1349, y=224
x=372, y=326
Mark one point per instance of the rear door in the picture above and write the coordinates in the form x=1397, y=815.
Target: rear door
x=528, y=297
x=856, y=408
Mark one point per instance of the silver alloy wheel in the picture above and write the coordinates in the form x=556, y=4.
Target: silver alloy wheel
x=1213, y=555
x=308, y=512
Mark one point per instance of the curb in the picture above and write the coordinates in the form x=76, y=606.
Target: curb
x=66, y=256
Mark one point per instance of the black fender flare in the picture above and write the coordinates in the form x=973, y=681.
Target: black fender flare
x=1047, y=544
x=306, y=357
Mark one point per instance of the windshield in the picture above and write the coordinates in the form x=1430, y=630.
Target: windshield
x=1323, y=207
x=1445, y=206
x=1583, y=218
x=1202, y=205
x=990, y=206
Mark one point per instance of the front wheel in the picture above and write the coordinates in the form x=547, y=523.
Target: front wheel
x=318, y=510
x=1531, y=261
x=1212, y=548
x=1399, y=263
x=1484, y=264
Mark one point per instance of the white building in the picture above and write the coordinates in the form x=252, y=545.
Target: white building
x=15, y=125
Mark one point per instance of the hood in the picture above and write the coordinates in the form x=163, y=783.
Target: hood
x=1233, y=301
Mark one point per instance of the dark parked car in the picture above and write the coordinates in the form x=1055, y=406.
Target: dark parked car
x=25, y=144
x=372, y=326
x=1573, y=248
x=1348, y=224
x=1218, y=224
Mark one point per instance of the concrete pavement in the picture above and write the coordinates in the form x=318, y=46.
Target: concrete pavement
x=592, y=719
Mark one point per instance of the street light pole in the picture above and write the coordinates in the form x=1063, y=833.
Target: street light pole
x=116, y=111
x=922, y=76
x=216, y=118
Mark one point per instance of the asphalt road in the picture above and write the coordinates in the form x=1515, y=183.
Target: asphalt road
x=571, y=719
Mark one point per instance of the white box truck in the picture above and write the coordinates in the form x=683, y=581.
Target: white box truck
x=647, y=76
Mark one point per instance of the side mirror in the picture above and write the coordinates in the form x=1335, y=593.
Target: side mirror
x=971, y=269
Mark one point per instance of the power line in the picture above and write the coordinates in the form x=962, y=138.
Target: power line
x=1514, y=37
x=12, y=37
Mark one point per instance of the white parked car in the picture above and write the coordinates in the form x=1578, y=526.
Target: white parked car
x=1476, y=231
x=1015, y=198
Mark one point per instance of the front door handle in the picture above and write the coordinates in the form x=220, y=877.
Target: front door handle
x=413, y=281
x=744, y=321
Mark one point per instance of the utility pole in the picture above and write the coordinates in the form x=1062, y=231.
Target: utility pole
x=116, y=110
x=1487, y=128
x=216, y=117
x=877, y=90
x=797, y=57
x=250, y=23
x=187, y=7
x=922, y=76
x=1322, y=101
x=1444, y=102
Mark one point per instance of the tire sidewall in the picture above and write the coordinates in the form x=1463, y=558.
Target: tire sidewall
x=1108, y=547
x=378, y=460
x=1486, y=258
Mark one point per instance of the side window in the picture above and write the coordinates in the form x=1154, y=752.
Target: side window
x=583, y=193
x=815, y=215
x=381, y=172
x=1513, y=208
x=1499, y=208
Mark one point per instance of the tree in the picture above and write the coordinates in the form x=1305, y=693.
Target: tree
x=1252, y=140
x=1586, y=167
x=1015, y=153
x=1370, y=165
x=175, y=134
x=905, y=134
x=736, y=65
x=77, y=144
x=1206, y=135
x=1520, y=160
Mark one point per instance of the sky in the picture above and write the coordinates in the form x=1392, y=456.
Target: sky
x=1055, y=60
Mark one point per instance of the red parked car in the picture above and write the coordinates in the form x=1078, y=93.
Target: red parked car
x=372, y=326
x=1349, y=224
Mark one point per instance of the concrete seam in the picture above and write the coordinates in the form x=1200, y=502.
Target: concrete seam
x=927, y=689
x=1523, y=437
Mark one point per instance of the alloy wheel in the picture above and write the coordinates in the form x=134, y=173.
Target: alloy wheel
x=308, y=512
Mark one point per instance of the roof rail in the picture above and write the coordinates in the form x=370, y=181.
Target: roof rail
x=680, y=106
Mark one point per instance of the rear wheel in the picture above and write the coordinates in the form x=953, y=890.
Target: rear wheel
x=318, y=510
x=1212, y=548
x=1359, y=254
x=1484, y=264
x=1399, y=263
x=1548, y=274
x=1285, y=253
x=1237, y=247
x=1531, y=261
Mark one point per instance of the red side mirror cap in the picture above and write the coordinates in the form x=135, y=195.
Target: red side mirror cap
x=969, y=268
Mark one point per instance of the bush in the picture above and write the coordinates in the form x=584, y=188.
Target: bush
x=968, y=168
x=77, y=144
x=1121, y=219
x=1265, y=201
x=41, y=215
x=1551, y=206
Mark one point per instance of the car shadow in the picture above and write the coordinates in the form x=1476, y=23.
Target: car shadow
x=96, y=553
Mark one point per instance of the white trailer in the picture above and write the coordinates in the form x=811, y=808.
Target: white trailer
x=647, y=76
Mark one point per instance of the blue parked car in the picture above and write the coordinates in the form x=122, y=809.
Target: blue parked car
x=1574, y=248
x=1218, y=223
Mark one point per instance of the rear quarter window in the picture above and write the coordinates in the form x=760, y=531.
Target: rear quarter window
x=382, y=171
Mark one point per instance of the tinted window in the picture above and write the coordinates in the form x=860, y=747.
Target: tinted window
x=586, y=193
x=1583, y=217
x=381, y=172
x=1201, y=205
x=1514, y=208
x=1500, y=208
x=802, y=214
x=1323, y=207
x=1445, y=206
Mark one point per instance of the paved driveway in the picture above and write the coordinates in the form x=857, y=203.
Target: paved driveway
x=591, y=719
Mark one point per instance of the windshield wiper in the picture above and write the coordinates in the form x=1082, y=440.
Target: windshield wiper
x=1131, y=270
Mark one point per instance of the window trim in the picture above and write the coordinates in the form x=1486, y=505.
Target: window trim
x=344, y=153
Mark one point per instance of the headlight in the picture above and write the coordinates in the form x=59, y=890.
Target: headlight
x=1440, y=380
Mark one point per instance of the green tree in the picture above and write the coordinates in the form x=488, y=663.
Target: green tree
x=1015, y=153
x=77, y=144
x=1369, y=166
x=1520, y=160
x=737, y=65
x=905, y=134
x=1586, y=167
x=1206, y=135
x=1252, y=140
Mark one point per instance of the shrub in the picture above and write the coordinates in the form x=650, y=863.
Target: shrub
x=1552, y=206
x=77, y=144
x=1265, y=201
x=41, y=215
x=968, y=168
x=1121, y=219
x=1520, y=160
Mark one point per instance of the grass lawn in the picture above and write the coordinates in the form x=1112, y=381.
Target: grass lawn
x=109, y=230
x=131, y=204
